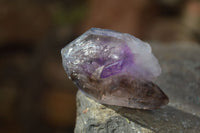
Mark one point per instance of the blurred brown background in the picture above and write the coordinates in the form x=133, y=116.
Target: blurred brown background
x=35, y=93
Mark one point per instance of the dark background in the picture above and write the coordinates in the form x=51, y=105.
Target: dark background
x=35, y=93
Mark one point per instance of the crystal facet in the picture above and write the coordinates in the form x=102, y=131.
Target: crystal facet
x=114, y=68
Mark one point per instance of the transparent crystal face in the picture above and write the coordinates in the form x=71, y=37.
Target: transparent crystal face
x=114, y=68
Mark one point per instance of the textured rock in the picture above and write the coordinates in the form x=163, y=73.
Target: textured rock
x=180, y=80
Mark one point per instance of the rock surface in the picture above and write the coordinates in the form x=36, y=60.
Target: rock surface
x=179, y=80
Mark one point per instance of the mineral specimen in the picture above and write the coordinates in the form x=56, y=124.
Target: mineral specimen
x=114, y=68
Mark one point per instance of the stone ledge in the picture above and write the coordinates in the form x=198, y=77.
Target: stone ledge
x=180, y=80
x=93, y=117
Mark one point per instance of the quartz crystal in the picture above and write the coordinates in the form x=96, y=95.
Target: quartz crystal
x=114, y=68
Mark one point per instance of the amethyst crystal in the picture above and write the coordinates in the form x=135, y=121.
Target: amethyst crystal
x=114, y=68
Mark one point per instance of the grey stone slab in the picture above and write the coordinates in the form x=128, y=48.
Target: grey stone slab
x=180, y=80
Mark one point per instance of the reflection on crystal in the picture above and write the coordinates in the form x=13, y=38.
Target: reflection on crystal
x=114, y=68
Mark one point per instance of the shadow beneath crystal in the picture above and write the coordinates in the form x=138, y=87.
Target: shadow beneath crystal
x=166, y=119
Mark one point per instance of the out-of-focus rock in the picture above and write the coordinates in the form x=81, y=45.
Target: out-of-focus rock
x=191, y=18
x=23, y=21
x=180, y=80
x=59, y=108
x=121, y=16
x=7, y=100
x=180, y=76
x=168, y=30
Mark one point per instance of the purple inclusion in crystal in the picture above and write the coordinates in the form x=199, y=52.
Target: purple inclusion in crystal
x=114, y=68
x=118, y=66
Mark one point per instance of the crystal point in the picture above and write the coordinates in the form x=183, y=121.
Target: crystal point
x=114, y=68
